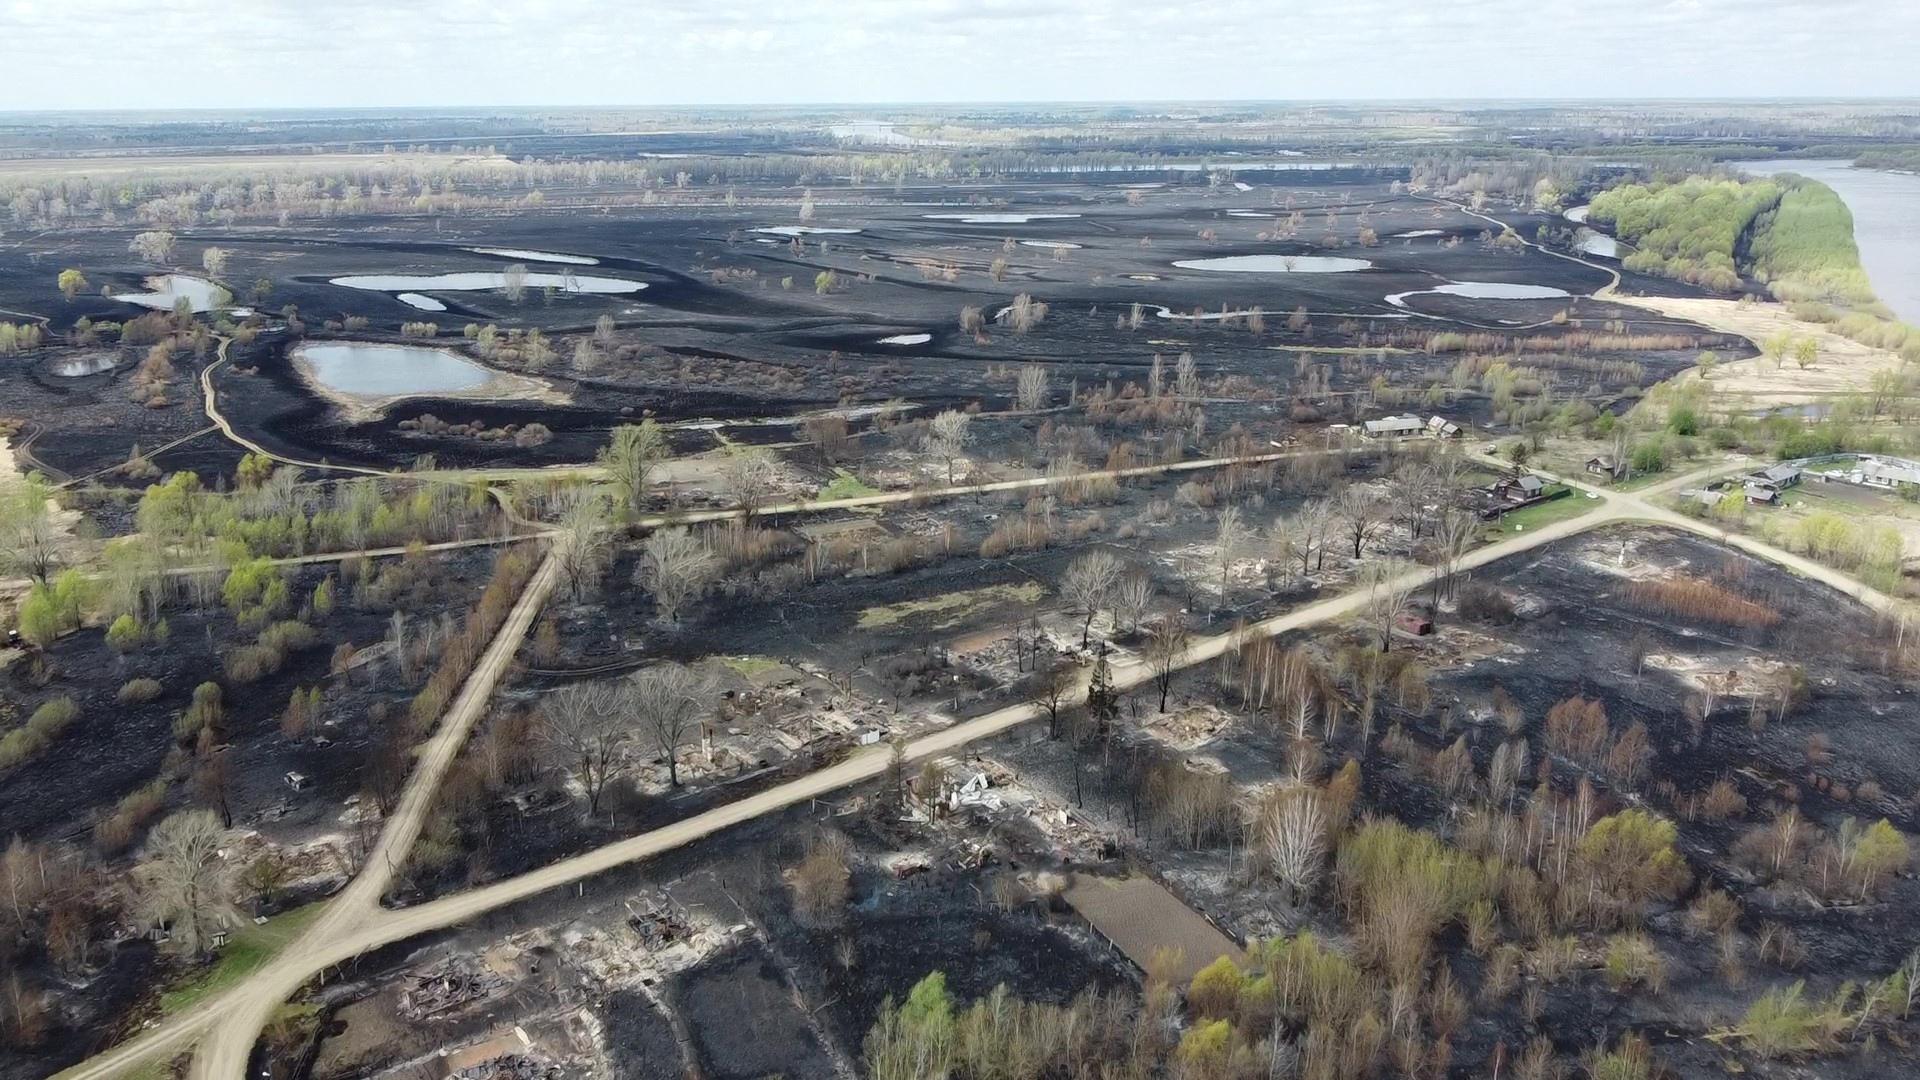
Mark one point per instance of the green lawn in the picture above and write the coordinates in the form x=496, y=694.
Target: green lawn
x=845, y=485
x=245, y=953
x=1541, y=514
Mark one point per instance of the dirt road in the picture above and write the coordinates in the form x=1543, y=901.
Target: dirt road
x=232, y=1022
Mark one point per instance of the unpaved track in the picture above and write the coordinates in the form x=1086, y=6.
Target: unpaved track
x=358, y=925
x=231, y=1022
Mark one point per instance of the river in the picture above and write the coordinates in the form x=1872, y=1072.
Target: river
x=1886, y=223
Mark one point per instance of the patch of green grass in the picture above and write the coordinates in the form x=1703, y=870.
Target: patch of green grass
x=1540, y=515
x=250, y=948
x=948, y=609
x=845, y=485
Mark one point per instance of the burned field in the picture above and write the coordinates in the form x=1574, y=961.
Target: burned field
x=883, y=562
x=807, y=923
x=1628, y=676
x=731, y=312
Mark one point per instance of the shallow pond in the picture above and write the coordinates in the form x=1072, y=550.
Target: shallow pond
x=1499, y=290
x=165, y=289
x=805, y=230
x=1059, y=244
x=424, y=303
x=998, y=219
x=388, y=370
x=906, y=339
x=484, y=281
x=1276, y=264
x=1595, y=242
x=78, y=367
x=1577, y=215
x=1484, y=290
x=1417, y=233
x=537, y=256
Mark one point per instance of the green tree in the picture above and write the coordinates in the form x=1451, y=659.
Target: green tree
x=629, y=459
x=72, y=283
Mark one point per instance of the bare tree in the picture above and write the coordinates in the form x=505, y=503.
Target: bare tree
x=603, y=328
x=1156, y=375
x=1359, y=514
x=1186, y=377
x=1088, y=585
x=1457, y=531
x=184, y=881
x=1290, y=837
x=155, y=246
x=1231, y=536
x=1302, y=538
x=1390, y=584
x=1030, y=393
x=1053, y=689
x=1167, y=639
x=513, y=282
x=1024, y=313
x=629, y=458
x=585, y=544
x=806, y=205
x=948, y=436
x=1132, y=595
x=972, y=322
x=582, y=733
x=668, y=700
x=214, y=261
x=748, y=475
x=677, y=566
x=1411, y=488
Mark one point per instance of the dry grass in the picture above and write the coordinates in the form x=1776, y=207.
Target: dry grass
x=1699, y=599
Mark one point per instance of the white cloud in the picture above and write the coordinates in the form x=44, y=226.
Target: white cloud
x=187, y=53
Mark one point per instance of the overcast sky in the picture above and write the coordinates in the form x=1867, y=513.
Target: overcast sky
x=269, y=53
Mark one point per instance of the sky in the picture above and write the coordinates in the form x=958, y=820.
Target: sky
x=122, y=54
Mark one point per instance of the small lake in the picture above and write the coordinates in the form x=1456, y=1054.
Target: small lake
x=1577, y=215
x=424, y=303
x=1276, y=264
x=1060, y=245
x=805, y=230
x=1595, y=242
x=537, y=256
x=998, y=219
x=1885, y=223
x=79, y=367
x=1484, y=290
x=1499, y=290
x=166, y=289
x=906, y=339
x=1418, y=233
x=485, y=281
x=389, y=370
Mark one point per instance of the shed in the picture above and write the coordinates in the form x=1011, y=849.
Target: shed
x=296, y=780
x=1761, y=494
x=1413, y=623
x=1442, y=428
x=1600, y=465
x=1394, y=427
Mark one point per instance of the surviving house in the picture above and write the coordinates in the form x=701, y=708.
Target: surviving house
x=1439, y=427
x=1519, y=488
x=1394, y=427
x=1886, y=472
x=1776, y=478
x=1759, y=494
x=1601, y=465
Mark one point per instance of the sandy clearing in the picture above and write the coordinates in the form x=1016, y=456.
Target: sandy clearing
x=1844, y=366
